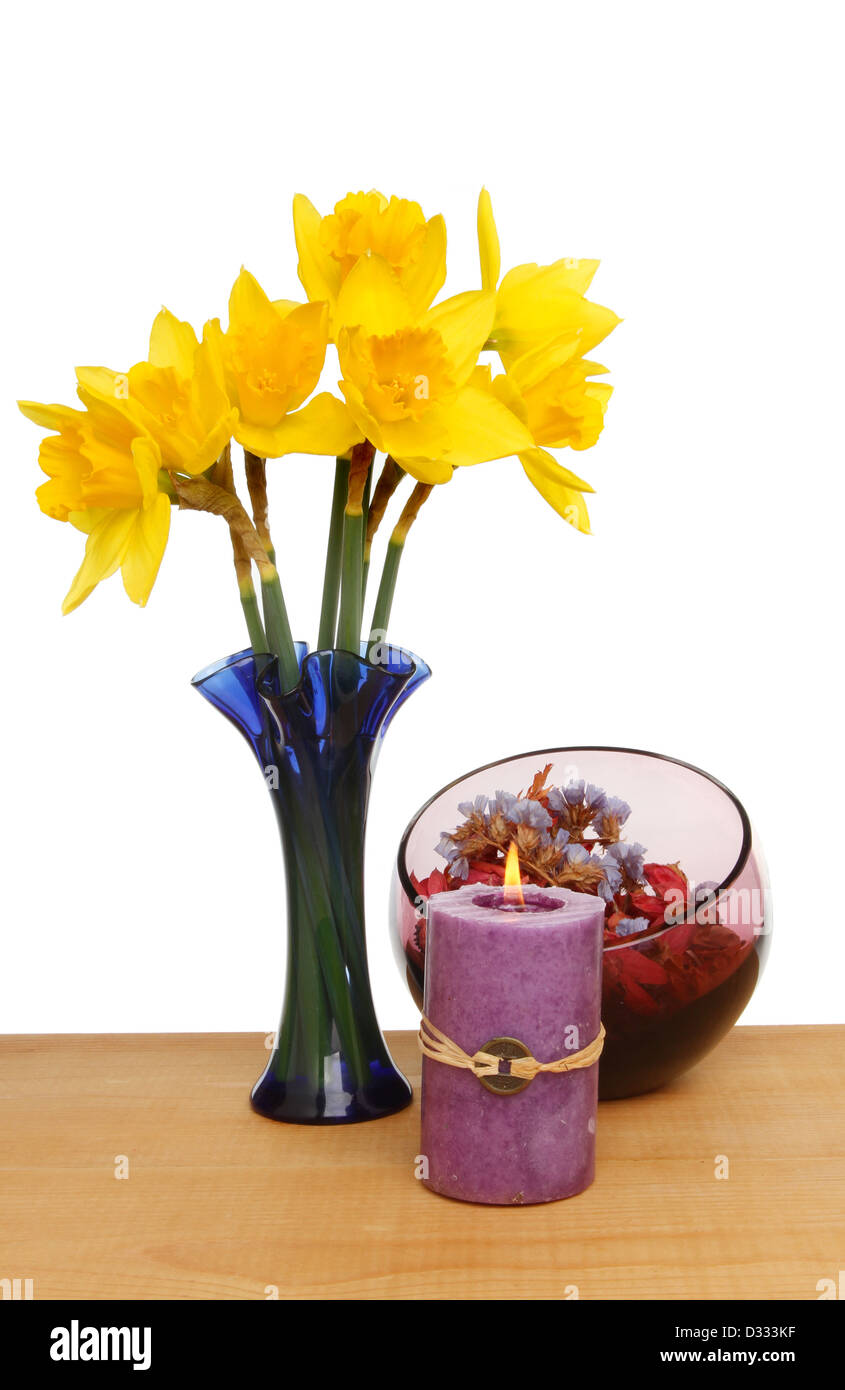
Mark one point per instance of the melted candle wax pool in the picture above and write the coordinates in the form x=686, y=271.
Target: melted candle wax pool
x=498, y=969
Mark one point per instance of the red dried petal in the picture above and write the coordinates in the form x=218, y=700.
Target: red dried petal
x=482, y=871
x=644, y=968
x=649, y=906
x=437, y=882
x=667, y=880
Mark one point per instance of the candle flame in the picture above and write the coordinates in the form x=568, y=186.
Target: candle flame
x=513, y=878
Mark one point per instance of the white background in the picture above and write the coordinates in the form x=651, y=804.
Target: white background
x=696, y=150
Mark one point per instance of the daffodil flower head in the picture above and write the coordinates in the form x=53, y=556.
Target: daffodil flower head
x=563, y=406
x=542, y=327
x=104, y=479
x=271, y=357
x=368, y=224
x=408, y=378
x=177, y=396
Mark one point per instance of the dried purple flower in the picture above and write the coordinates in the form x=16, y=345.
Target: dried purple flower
x=629, y=926
x=576, y=804
x=502, y=804
x=612, y=881
x=529, y=812
x=629, y=858
x=610, y=819
x=576, y=854
x=447, y=847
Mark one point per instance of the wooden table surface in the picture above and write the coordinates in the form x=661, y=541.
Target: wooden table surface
x=221, y=1204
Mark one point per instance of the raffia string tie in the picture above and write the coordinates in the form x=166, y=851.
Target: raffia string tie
x=439, y=1048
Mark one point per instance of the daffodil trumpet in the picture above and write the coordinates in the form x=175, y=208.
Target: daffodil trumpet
x=415, y=383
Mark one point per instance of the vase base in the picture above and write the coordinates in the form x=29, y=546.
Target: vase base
x=295, y=1103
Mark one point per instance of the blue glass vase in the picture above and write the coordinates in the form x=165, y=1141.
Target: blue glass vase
x=317, y=745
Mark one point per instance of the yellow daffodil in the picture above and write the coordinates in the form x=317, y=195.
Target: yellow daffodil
x=103, y=476
x=564, y=407
x=560, y=406
x=537, y=304
x=271, y=356
x=177, y=396
x=542, y=327
x=368, y=224
x=406, y=377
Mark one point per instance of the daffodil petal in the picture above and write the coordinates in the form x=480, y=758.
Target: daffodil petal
x=538, y=308
x=249, y=306
x=324, y=426
x=506, y=391
x=319, y=273
x=539, y=362
x=101, y=382
x=143, y=554
x=546, y=464
x=172, y=343
x=372, y=297
x=49, y=417
x=86, y=521
x=367, y=423
x=567, y=501
x=104, y=551
x=480, y=427
x=569, y=273
x=488, y=243
x=598, y=391
x=147, y=460
x=426, y=275
x=464, y=323
x=427, y=437
x=426, y=470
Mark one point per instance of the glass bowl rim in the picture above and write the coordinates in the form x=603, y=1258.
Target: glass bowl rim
x=745, y=847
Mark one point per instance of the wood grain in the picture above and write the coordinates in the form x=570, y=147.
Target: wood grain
x=221, y=1204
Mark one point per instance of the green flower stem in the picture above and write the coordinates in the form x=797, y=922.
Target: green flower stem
x=351, y=600
x=386, y=590
x=278, y=627
x=331, y=581
x=252, y=613
x=365, y=573
x=365, y=557
x=395, y=548
x=389, y=479
x=325, y=949
x=304, y=1027
x=352, y=564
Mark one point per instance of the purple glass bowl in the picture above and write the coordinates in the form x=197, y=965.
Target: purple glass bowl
x=668, y=996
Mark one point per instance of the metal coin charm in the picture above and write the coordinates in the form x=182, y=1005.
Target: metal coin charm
x=504, y=1084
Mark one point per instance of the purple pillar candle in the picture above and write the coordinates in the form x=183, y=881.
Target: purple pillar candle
x=532, y=974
